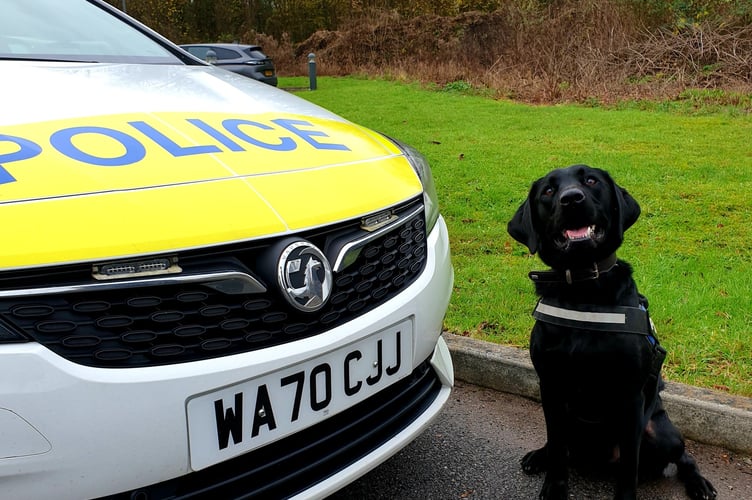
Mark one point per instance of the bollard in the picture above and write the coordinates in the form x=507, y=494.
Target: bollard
x=312, y=71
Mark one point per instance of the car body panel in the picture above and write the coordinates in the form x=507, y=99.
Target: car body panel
x=124, y=88
x=172, y=172
x=76, y=393
x=160, y=156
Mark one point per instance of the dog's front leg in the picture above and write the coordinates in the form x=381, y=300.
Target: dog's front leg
x=555, y=485
x=631, y=425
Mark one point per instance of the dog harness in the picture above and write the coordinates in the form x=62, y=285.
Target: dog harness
x=610, y=319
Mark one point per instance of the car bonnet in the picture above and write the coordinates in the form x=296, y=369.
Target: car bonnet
x=111, y=161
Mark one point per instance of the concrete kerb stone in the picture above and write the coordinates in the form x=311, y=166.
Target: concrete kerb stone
x=706, y=416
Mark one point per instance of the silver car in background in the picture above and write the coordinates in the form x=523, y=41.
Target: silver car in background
x=246, y=60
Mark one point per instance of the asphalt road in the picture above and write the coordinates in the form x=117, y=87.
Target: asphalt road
x=472, y=451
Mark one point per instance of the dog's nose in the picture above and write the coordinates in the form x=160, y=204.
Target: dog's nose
x=571, y=196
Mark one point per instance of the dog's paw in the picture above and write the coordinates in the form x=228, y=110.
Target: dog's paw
x=535, y=462
x=625, y=495
x=554, y=490
x=699, y=488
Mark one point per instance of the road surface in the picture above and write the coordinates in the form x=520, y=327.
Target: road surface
x=472, y=451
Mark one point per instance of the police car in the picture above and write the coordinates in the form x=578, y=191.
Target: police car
x=209, y=288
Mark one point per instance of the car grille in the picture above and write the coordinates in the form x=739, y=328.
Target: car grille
x=148, y=322
x=293, y=464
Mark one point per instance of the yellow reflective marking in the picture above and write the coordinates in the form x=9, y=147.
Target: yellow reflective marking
x=314, y=197
x=195, y=180
x=133, y=223
x=167, y=148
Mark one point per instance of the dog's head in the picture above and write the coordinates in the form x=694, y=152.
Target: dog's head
x=574, y=217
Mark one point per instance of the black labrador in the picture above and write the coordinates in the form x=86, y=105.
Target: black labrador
x=593, y=344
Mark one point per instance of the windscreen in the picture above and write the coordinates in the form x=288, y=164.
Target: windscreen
x=73, y=30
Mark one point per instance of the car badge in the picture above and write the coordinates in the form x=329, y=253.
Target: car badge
x=304, y=276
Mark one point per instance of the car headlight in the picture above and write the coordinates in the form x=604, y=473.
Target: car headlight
x=423, y=169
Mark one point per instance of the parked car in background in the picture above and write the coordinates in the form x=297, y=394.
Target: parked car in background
x=246, y=60
x=209, y=287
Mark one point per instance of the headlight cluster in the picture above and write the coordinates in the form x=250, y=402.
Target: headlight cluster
x=423, y=169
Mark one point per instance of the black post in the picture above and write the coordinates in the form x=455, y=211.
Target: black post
x=312, y=71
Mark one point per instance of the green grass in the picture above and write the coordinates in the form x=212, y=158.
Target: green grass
x=688, y=165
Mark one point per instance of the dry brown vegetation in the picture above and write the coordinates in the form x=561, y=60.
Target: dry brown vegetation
x=579, y=52
x=531, y=50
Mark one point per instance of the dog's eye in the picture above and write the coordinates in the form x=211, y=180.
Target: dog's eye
x=548, y=191
x=591, y=181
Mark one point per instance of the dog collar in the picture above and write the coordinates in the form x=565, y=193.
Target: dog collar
x=593, y=317
x=570, y=276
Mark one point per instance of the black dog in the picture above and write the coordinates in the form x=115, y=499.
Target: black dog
x=593, y=345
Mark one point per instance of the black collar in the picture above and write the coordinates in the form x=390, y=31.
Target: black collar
x=570, y=276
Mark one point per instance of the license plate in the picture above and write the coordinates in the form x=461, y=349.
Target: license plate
x=236, y=419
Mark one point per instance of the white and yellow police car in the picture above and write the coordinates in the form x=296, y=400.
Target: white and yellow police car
x=209, y=288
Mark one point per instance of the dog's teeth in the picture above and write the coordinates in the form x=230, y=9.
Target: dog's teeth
x=577, y=234
x=583, y=233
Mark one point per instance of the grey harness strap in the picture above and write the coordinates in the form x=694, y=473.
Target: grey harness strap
x=610, y=319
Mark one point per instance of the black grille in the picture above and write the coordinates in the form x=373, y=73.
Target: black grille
x=293, y=464
x=151, y=325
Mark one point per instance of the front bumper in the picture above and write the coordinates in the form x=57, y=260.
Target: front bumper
x=74, y=431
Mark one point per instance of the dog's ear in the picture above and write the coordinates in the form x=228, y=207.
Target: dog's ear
x=521, y=227
x=628, y=208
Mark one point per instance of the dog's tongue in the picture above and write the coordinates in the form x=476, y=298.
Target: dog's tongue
x=577, y=234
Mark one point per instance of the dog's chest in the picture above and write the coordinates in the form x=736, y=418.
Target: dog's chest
x=592, y=371
x=585, y=360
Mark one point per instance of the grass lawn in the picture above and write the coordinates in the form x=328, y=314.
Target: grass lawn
x=688, y=164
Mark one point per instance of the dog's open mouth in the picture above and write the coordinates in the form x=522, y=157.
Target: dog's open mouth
x=590, y=234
